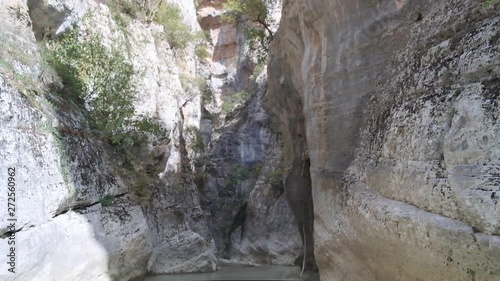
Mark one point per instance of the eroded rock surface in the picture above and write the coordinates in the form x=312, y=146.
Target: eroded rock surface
x=398, y=101
x=78, y=212
x=90, y=209
x=243, y=196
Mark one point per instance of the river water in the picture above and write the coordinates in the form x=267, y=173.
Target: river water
x=270, y=272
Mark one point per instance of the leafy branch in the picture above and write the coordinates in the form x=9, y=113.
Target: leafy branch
x=253, y=16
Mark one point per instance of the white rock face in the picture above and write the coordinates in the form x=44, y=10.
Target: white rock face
x=123, y=232
x=100, y=243
x=60, y=171
x=188, y=12
x=71, y=246
x=159, y=89
x=169, y=257
x=160, y=94
x=29, y=148
x=64, y=248
x=65, y=173
x=60, y=17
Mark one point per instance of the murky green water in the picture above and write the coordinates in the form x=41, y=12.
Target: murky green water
x=242, y=273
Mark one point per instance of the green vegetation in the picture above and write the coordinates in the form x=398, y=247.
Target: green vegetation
x=140, y=131
x=63, y=158
x=252, y=15
x=261, y=66
x=150, y=125
x=178, y=34
x=190, y=84
x=180, y=181
x=103, y=82
x=237, y=173
x=140, y=183
x=207, y=96
x=106, y=201
x=119, y=8
x=139, y=177
x=274, y=178
x=101, y=79
x=229, y=102
x=489, y=4
x=127, y=7
x=200, y=178
x=196, y=139
x=201, y=51
x=256, y=169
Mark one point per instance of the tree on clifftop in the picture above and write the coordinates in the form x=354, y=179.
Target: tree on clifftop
x=252, y=15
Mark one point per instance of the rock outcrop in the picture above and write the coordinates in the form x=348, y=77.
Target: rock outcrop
x=395, y=106
x=84, y=210
x=89, y=208
x=59, y=220
x=243, y=194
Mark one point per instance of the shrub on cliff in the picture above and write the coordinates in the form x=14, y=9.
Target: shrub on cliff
x=178, y=34
x=252, y=15
x=231, y=101
x=103, y=82
x=489, y=4
x=102, y=79
x=201, y=52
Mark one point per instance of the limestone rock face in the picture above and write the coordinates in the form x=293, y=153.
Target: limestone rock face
x=179, y=231
x=103, y=243
x=86, y=210
x=169, y=257
x=223, y=34
x=269, y=234
x=67, y=175
x=243, y=197
x=99, y=243
x=395, y=105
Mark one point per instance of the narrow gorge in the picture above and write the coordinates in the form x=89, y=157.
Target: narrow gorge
x=357, y=140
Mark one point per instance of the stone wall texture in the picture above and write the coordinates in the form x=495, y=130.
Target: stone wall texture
x=395, y=105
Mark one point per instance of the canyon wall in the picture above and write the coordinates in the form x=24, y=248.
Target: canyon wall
x=243, y=194
x=395, y=105
x=208, y=187
x=86, y=207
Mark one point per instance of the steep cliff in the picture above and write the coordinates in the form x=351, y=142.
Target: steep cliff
x=242, y=195
x=395, y=106
x=194, y=174
x=62, y=173
x=89, y=207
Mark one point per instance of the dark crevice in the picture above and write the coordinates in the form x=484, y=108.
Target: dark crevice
x=83, y=207
x=9, y=233
x=419, y=17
